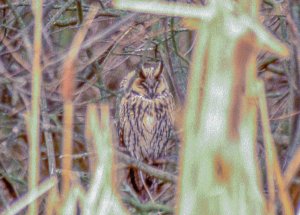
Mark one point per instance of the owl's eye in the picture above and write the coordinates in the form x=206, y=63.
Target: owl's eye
x=156, y=84
x=144, y=85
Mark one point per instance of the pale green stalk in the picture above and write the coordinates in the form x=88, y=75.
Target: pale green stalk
x=31, y=196
x=34, y=115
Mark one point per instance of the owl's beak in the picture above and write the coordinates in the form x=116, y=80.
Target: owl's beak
x=151, y=93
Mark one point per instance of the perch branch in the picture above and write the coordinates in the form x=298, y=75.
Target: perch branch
x=157, y=173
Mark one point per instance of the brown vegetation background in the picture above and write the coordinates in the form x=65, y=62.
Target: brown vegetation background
x=116, y=42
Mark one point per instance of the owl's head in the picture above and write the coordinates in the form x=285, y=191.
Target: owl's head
x=150, y=82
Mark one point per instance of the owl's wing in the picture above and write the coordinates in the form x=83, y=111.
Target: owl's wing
x=122, y=111
x=171, y=106
x=124, y=86
x=121, y=125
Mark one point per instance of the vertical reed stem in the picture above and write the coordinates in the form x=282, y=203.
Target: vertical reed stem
x=67, y=146
x=34, y=116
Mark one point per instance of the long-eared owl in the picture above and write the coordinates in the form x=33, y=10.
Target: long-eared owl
x=145, y=114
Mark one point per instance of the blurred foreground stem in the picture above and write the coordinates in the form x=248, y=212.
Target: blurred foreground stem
x=33, y=119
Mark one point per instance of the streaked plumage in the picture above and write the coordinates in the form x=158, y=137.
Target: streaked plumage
x=146, y=114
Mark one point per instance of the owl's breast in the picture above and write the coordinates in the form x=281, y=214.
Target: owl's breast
x=149, y=121
x=146, y=125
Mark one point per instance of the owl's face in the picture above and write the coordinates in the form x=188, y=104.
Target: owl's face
x=150, y=82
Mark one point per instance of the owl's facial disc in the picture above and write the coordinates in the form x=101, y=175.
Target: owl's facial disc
x=149, y=83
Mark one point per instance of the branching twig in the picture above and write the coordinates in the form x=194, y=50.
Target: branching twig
x=157, y=173
x=148, y=207
x=58, y=14
x=48, y=136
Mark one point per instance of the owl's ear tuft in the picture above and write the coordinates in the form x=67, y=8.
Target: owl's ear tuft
x=158, y=70
x=141, y=73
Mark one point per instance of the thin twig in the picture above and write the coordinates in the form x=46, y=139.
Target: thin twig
x=28, y=45
x=147, y=207
x=157, y=173
x=48, y=136
x=58, y=14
